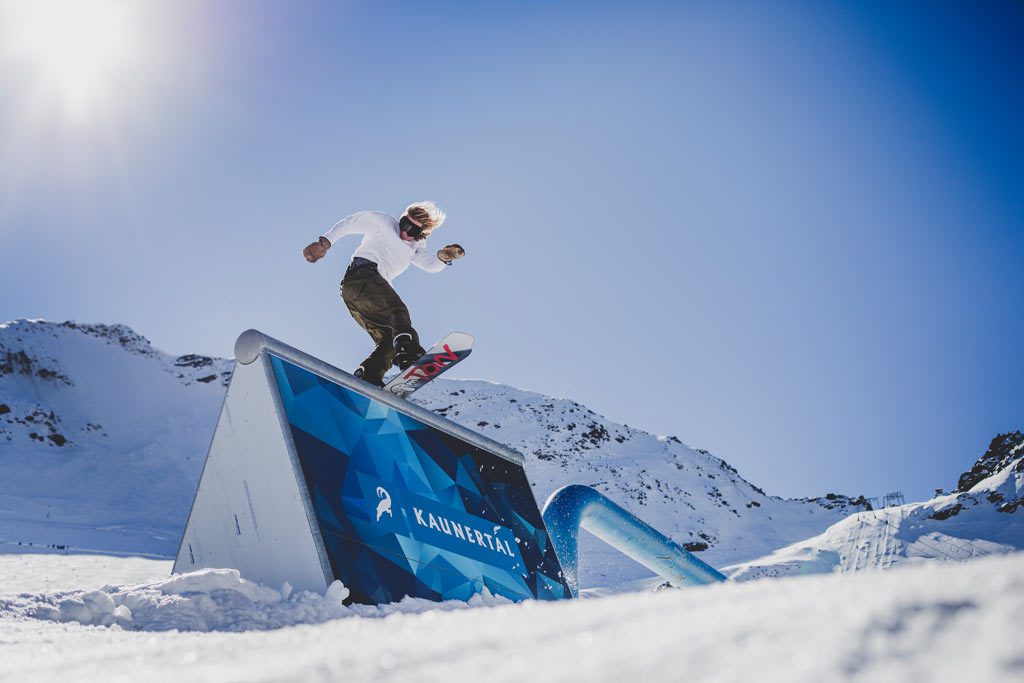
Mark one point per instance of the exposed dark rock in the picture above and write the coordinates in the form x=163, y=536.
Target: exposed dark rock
x=207, y=379
x=946, y=513
x=191, y=360
x=837, y=501
x=862, y=502
x=1001, y=452
x=19, y=362
x=57, y=439
x=43, y=373
x=695, y=546
x=595, y=435
x=4, y=409
x=1011, y=506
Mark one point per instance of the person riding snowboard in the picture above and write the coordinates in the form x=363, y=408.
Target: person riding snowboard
x=389, y=245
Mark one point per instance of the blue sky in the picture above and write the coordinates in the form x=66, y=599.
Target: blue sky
x=789, y=233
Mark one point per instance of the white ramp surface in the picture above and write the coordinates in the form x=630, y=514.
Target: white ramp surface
x=251, y=509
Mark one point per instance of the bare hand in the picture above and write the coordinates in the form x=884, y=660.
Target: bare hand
x=315, y=251
x=452, y=252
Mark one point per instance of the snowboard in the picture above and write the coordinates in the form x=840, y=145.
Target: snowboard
x=436, y=361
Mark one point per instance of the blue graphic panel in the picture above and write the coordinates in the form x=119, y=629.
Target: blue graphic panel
x=406, y=509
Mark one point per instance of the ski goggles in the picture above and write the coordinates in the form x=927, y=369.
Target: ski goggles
x=414, y=231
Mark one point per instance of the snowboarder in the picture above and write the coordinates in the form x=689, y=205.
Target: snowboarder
x=389, y=245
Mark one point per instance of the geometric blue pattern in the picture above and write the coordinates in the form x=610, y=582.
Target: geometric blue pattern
x=406, y=509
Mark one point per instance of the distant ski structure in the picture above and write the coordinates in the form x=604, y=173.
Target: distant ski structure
x=438, y=360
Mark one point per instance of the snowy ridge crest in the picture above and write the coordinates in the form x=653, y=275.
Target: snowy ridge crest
x=36, y=361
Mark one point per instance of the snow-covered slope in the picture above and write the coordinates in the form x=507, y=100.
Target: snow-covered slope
x=934, y=623
x=983, y=516
x=102, y=439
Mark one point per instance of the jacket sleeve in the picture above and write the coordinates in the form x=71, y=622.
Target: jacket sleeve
x=427, y=259
x=356, y=224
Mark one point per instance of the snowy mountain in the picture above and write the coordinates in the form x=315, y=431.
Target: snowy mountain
x=103, y=438
x=983, y=516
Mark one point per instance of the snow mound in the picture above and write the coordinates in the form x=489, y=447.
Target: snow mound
x=210, y=600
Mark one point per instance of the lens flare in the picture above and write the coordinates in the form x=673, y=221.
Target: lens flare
x=75, y=51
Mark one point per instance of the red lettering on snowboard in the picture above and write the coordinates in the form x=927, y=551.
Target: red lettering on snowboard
x=430, y=368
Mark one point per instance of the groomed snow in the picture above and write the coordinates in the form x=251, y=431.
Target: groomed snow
x=953, y=622
x=48, y=572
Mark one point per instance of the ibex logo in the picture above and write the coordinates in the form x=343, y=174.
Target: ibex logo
x=385, y=503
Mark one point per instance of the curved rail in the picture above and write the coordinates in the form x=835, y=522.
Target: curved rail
x=576, y=507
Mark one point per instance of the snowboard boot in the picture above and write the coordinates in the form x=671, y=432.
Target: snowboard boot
x=407, y=351
x=360, y=373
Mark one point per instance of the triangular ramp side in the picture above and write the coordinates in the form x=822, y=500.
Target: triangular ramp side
x=314, y=476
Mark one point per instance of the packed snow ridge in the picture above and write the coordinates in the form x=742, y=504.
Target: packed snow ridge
x=209, y=600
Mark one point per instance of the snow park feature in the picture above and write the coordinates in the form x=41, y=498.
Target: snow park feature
x=576, y=507
x=314, y=476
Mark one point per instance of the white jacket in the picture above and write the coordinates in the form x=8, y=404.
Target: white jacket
x=383, y=244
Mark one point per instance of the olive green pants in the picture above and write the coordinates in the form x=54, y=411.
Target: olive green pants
x=378, y=309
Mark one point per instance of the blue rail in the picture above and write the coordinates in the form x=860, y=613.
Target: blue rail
x=576, y=507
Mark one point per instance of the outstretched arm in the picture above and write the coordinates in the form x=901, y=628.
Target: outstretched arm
x=346, y=226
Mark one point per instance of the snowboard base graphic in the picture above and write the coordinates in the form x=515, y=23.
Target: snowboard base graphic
x=437, y=360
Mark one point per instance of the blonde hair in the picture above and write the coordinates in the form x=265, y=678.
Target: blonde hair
x=426, y=214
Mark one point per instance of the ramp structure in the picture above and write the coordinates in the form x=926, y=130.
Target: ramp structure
x=313, y=475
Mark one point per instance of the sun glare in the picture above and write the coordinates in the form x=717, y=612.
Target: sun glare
x=75, y=51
